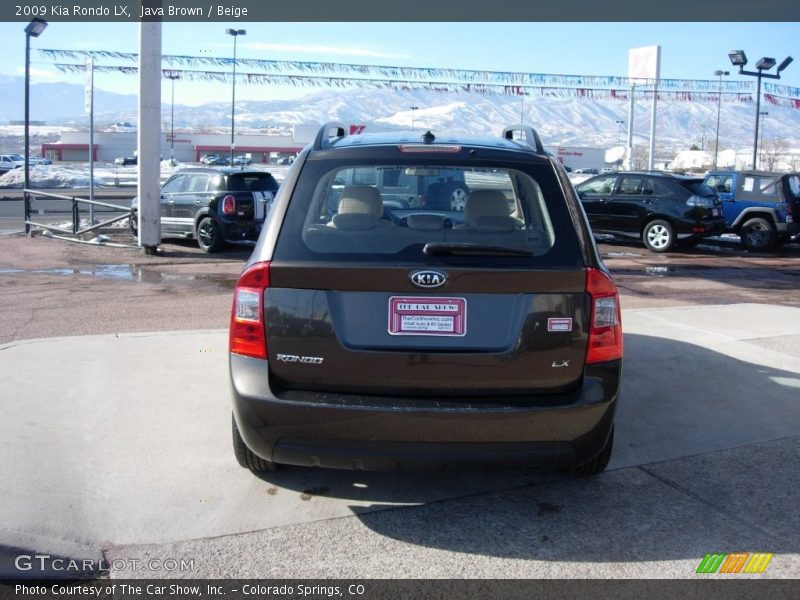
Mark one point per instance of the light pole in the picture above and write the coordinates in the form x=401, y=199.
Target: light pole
x=719, y=74
x=172, y=77
x=235, y=33
x=619, y=123
x=763, y=114
x=33, y=29
x=413, y=110
x=739, y=59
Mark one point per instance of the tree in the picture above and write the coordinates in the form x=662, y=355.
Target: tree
x=772, y=154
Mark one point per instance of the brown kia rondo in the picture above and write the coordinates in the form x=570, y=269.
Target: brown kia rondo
x=374, y=330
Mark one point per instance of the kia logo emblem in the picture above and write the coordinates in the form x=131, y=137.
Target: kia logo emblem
x=428, y=279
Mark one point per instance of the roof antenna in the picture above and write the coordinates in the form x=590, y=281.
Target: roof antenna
x=428, y=137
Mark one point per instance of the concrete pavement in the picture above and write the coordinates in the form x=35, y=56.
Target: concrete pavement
x=135, y=460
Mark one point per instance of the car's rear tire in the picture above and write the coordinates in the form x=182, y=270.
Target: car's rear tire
x=658, y=236
x=245, y=457
x=133, y=225
x=209, y=236
x=599, y=463
x=758, y=234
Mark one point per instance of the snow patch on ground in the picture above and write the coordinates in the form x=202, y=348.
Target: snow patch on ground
x=50, y=176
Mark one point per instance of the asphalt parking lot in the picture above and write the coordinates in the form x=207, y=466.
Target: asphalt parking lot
x=116, y=434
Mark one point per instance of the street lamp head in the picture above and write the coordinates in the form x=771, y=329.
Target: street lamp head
x=738, y=58
x=785, y=63
x=36, y=27
x=721, y=73
x=765, y=64
x=235, y=32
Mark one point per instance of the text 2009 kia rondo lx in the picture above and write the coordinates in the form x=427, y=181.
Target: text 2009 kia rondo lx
x=379, y=335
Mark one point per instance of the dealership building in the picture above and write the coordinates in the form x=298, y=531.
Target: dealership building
x=188, y=147
x=260, y=147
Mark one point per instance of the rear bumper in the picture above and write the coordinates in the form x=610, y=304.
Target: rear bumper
x=700, y=228
x=370, y=433
x=235, y=230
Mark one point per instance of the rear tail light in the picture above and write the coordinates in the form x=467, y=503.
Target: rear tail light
x=248, y=335
x=228, y=205
x=605, y=328
x=789, y=216
x=700, y=201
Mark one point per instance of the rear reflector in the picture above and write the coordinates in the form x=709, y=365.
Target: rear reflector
x=248, y=335
x=605, y=329
x=228, y=205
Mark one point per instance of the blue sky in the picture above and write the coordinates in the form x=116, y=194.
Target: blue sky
x=689, y=50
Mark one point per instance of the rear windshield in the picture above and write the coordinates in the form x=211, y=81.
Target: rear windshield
x=252, y=182
x=436, y=214
x=697, y=187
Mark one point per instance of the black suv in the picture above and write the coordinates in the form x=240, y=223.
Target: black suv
x=661, y=209
x=382, y=337
x=213, y=205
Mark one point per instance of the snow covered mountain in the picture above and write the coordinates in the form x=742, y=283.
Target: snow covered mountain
x=576, y=122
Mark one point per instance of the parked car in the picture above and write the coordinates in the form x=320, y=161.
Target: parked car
x=431, y=187
x=382, y=337
x=8, y=163
x=762, y=208
x=662, y=209
x=213, y=205
x=124, y=161
x=605, y=170
x=208, y=157
x=586, y=171
x=218, y=161
x=242, y=160
x=32, y=160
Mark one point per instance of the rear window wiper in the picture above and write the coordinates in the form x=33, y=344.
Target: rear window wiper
x=465, y=249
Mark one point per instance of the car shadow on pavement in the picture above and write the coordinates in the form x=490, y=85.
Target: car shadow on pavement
x=707, y=449
x=238, y=251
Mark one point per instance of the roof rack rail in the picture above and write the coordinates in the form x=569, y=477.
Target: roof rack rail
x=531, y=137
x=323, y=139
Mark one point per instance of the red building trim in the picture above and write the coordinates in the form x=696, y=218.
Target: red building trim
x=59, y=149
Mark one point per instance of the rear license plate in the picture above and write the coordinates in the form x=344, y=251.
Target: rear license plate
x=416, y=315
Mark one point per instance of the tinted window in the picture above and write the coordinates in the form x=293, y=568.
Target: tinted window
x=758, y=187
x=794, y=185
x=252, y=182
x=173, y=185
x=631, y=184
x=697, y=187
x=721, y=183
x=519, y=208
x=598, y=185
x=197, y=183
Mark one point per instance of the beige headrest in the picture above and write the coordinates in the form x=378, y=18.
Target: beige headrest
x=360, y=200
x=486, y=203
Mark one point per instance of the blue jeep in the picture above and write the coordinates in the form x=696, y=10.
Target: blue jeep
x=762, y=208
